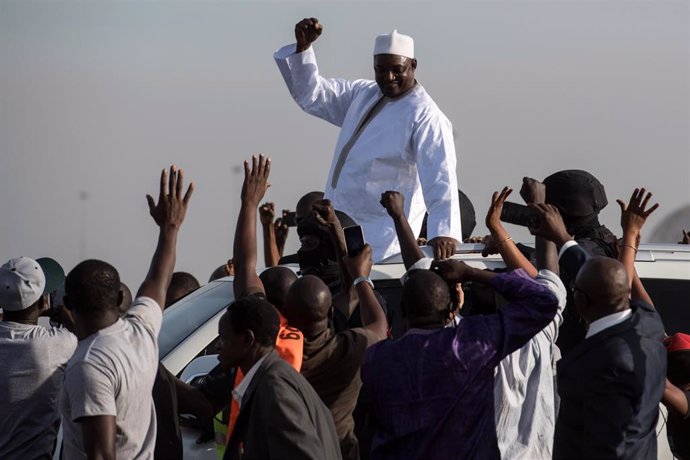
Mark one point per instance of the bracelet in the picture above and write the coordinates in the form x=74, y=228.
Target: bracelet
x=503, y=241
x=627, y=246
x=363, y=279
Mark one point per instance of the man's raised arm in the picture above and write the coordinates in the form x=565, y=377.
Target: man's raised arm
x=373, y=317
x=244, y=249
x=326, y=98
x=394, y=203
x=168, y=213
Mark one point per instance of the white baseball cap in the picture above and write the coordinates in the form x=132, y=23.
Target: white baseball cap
x=21, y=284
x=394, y=43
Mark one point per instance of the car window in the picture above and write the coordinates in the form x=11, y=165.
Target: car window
x=182, y=318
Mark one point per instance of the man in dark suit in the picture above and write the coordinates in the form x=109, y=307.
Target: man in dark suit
x=611, y=383
x=281, y=416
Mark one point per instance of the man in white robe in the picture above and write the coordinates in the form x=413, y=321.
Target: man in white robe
x=393, y=137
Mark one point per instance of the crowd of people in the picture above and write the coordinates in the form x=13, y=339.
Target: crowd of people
x=307, y=367
x=561, y=354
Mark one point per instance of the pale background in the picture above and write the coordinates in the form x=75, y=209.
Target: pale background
x=97, y=97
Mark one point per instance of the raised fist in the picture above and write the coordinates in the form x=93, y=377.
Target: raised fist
x=306, y=33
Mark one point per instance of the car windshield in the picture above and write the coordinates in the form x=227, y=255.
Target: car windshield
x=182, y=318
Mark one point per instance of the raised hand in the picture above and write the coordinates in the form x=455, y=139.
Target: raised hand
x=171, y=208
x=444, y=246
x=306, y=33
x=394, y=203
x=267, y=213
x=533, y=191
x=359, y=265
x=634, y=215
x=255, y=180
x=325, y=214
x=493, y=215
x=453, y=271
x=551, y=226
x=281, y=230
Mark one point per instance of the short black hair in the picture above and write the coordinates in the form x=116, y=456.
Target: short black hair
x=257, y=315
x=426, y=296
x=679, y=367
x=93, y=285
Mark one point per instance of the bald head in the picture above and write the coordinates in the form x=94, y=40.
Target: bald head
x=308, y=305
x=277, y=282
x=601, y=288
x=426, y=299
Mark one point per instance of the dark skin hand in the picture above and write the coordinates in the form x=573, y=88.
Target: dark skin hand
x=394, y=203
x=168, y=213
x=551, y=226
x=457, y=271
x=444, y=247
x=533, y=191
x=633, y=217
x=306, y=33
x=281, y=231
x=254, y=188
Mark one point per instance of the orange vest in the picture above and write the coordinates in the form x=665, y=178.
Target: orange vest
x=289, y=346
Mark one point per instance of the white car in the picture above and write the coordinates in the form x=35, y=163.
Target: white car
x=190, y=326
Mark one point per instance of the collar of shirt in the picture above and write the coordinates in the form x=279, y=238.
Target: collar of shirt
x=607, y=321
x=238, y=393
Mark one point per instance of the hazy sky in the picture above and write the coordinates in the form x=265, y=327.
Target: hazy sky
x=97, y=97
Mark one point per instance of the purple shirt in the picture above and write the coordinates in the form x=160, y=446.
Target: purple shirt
x=432, y=391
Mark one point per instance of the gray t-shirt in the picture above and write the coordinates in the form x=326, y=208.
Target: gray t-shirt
x=112, y=373
x=32, y=366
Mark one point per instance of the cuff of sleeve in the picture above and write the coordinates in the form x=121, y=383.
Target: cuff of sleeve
x=553, y=283
x=565, y=247
x=421, y=264
x=287, y=53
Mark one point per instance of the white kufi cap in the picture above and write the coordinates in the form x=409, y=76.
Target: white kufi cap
x=394, y=43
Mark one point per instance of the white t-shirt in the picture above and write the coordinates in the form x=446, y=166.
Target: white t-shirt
x=112, y=373
x=32, y=365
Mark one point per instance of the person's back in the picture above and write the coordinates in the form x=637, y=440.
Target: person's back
x=432, y=390
x=32, y=364
x=33, y=360
x=112, y=372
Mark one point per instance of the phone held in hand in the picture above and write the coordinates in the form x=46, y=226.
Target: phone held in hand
x=519, y=214
x=354, y=240
x=289, y=219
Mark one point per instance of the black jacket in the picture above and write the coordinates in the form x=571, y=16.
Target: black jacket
x=610, y=386
x=282, y=417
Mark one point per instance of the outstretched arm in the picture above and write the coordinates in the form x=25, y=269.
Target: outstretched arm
x=504, y=243
x=168, y=213
x=244, y=249
x=633, y=218
x=394, y=203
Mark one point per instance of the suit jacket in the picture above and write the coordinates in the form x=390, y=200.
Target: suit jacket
x=610, y=386
x=282, y=417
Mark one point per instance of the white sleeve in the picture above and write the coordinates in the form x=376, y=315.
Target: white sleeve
x=568, y=244
x=146, y=311
x=434, y=151
x=553, y=283
x=326, y=98
x=91, y=391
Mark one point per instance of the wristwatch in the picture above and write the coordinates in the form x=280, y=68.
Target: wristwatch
x=363, y=279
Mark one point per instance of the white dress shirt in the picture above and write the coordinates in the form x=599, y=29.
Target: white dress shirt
x=607, y=321
x=238, y=393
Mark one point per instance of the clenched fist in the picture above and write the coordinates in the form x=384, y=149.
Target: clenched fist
x=306, y=33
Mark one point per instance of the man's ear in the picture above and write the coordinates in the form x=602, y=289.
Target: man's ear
x=249, y=338
x=43, y=304
x=414, y=64
x=330, y=313
x=120, y=297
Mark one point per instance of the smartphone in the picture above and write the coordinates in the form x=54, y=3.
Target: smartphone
x=289, y=219
x=519, y=214
x=354, y=240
